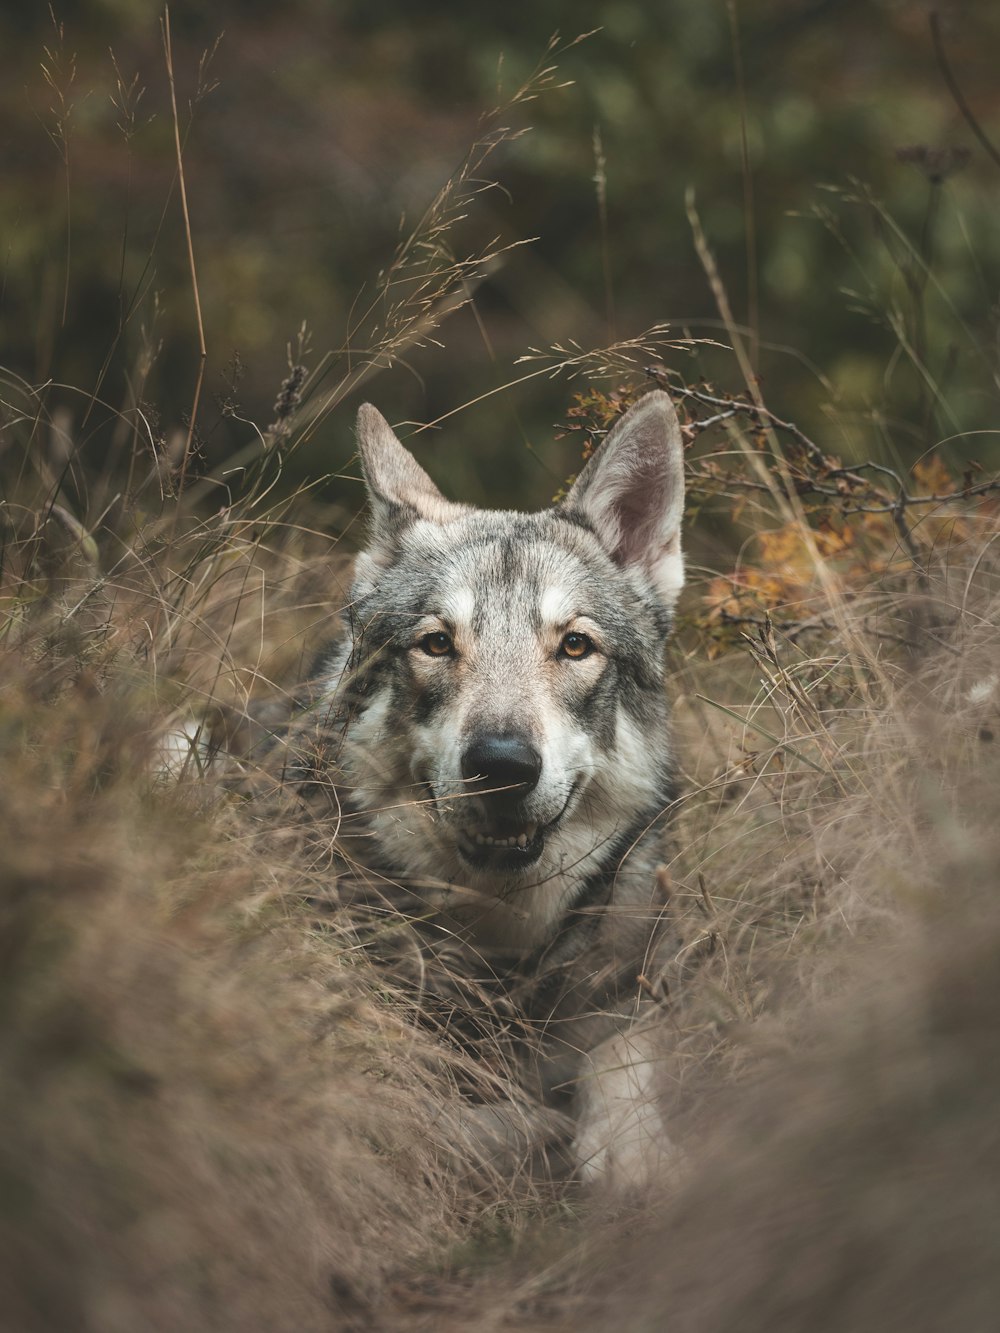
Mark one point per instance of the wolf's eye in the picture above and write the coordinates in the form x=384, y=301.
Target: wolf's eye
x=438, y=644
x=576, y=646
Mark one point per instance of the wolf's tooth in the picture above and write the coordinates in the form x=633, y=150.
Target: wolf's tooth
x=512, y=841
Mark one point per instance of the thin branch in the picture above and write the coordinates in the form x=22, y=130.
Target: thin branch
x=902, y=497
x=955, y=90
x=601, y=186
x=749, y=217
x=202, y=353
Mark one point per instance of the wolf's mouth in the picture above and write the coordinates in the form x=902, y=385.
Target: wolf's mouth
x=506, y=848
x=495, y=838
x=501, y=848
x=507, y=845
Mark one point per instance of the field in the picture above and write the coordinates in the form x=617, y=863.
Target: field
x=234, y=1091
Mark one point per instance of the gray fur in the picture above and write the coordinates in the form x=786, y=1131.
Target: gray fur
x=573, y=910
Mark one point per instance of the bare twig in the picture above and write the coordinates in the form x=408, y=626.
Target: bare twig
x=957, y=95
x=59, y=73
x=202, y=352
x=601, y=186
x=874, y=499
x=749, y=218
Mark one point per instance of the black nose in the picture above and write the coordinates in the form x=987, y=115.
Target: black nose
x=511, y=762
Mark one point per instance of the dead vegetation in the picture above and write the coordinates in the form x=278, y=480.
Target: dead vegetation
x=239, y=1085
x=238, y=1091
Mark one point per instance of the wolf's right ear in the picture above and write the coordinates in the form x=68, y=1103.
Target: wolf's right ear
x=631, y=492
x=399, y=490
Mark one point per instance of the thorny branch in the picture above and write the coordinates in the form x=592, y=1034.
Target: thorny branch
x=830, y=493
x=856, y=493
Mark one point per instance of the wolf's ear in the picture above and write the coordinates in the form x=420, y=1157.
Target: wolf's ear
x=398, y=487
x=632, y=493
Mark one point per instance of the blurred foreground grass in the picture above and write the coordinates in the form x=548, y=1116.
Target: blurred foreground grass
x=232, y=1099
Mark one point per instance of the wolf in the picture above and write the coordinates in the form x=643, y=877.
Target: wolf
x=503, y=745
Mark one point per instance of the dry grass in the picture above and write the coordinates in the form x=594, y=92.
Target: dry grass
x=850, y=1181
x=214, y=1113
x=236, y=1078
x=833, y=1007
x=216, y=1110
x=235, y=1092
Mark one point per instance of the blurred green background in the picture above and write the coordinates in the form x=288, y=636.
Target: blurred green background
x=867, y=284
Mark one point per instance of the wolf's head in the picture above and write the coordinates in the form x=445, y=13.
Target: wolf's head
x=508, y=726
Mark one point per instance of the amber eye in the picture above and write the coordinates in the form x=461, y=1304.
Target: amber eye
x=575, y=646
x=438, y=644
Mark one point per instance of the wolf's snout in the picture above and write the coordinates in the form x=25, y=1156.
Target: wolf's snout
x=491, y=763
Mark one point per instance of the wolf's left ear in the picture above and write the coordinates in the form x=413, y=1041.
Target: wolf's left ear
x=632, y=493
x=398, y=487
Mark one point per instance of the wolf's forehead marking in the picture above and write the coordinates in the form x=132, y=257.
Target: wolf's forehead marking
x=522, y=579
x=523, y=609
x=555, y=604
x=458, y=604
